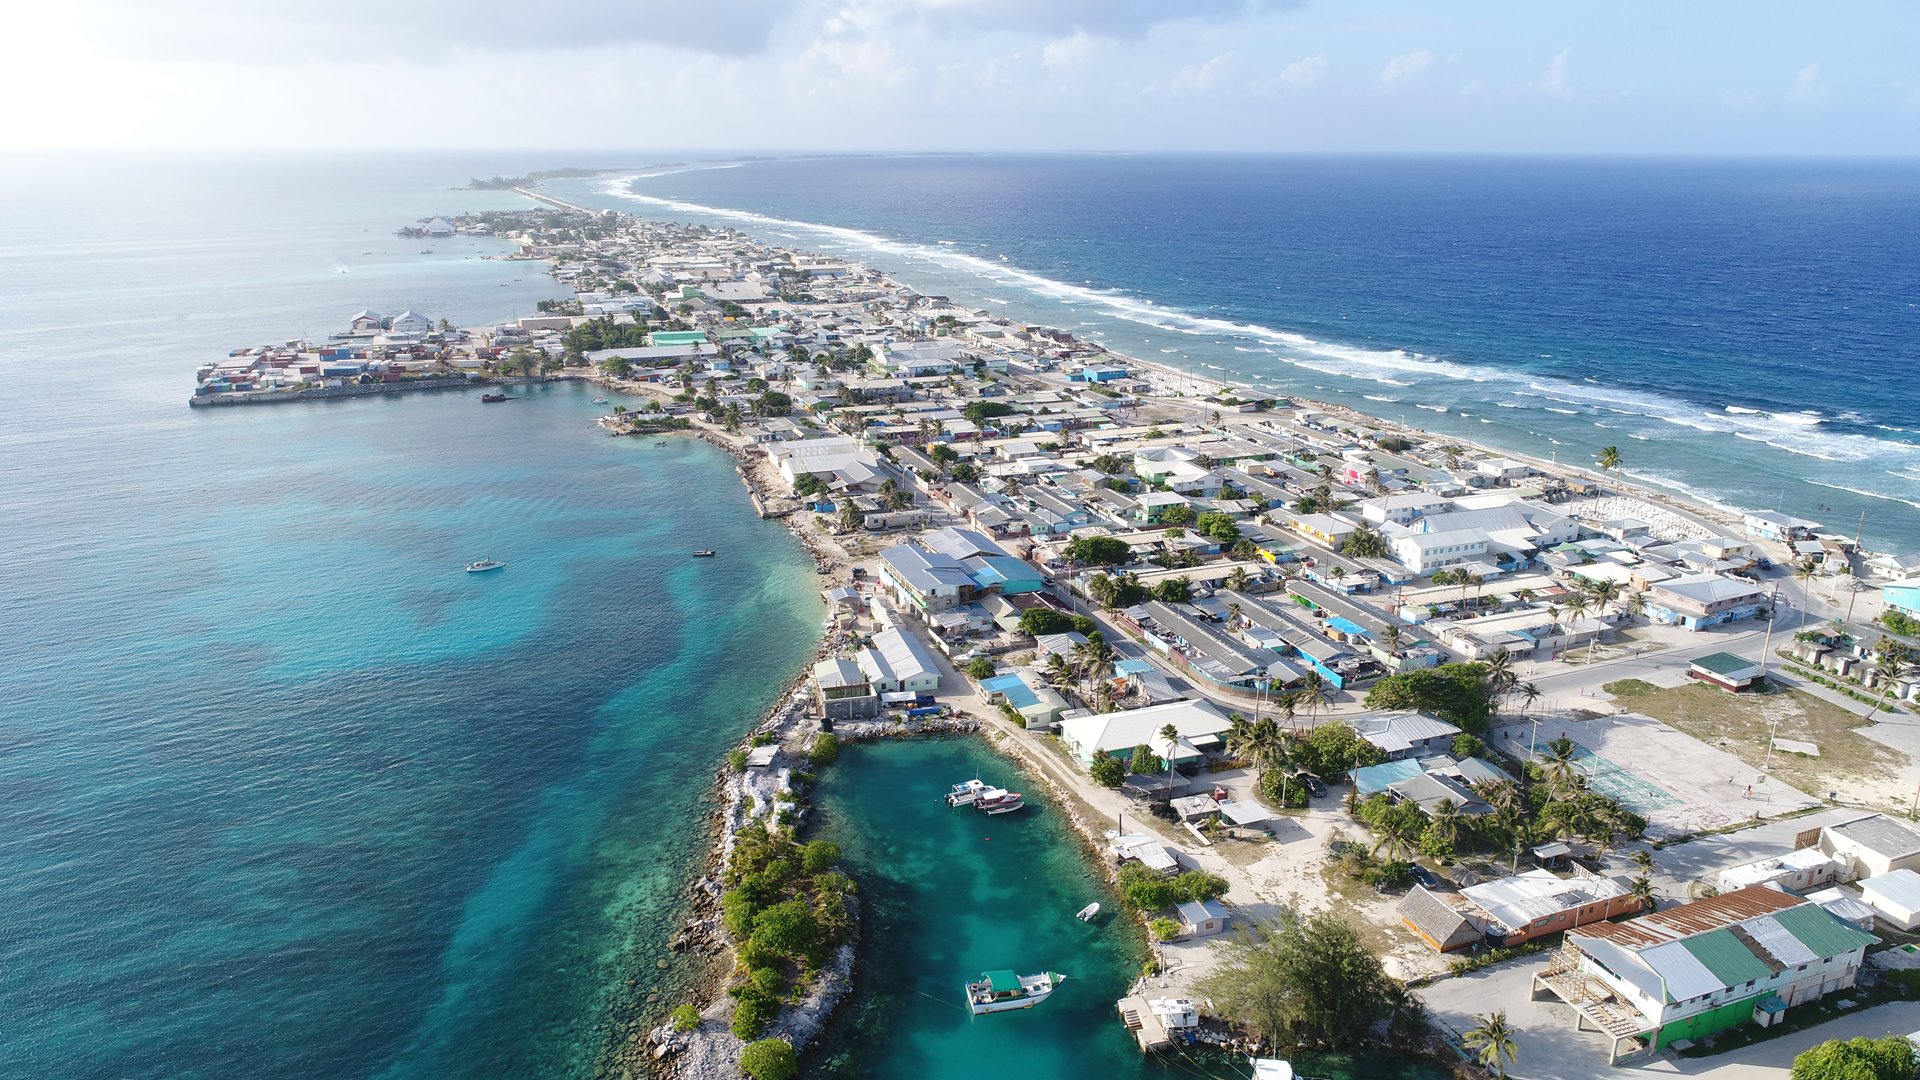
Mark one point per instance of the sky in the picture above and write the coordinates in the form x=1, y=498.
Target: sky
x=1707, y=77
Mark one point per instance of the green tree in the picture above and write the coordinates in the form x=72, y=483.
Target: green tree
x=769, y=1059
x=1364, y=543
x=1492, y=1043
x=1106, y=770
x=616, y=366
x=1303, y=977
x=1111, y=464
x=824, y=751
x=685, y=1018
x=1036, y=621
x=1220, y=527
x=807, y=485
x=1456, y=693
x=965, y=472
x=773, y=403
x=981, y=668
x=1173, y=590
x=1143, y=760
x=1609, y=459
x=1891, y=1058
x=817, y=856
x=1098, y=551
x=851, y=517
x=1177, y=514
x=1333, y=748
x=982, y=411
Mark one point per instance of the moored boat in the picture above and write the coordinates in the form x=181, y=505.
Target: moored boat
x=1003, y=991
x=703, y=553
x=1087, y=913
x=964, y=794
x=599, y=401
x=484, y=565
x=1271, y=1069
x=492, y=398
x=999, y=801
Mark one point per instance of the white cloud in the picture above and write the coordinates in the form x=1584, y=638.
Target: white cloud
x=1554, y=83
x=1807, y=89
x=1067, y=53
x=1199, y=78
x=1305, y=72
x=1404, y=67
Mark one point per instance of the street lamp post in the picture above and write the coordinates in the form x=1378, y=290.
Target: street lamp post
x=1766, y=641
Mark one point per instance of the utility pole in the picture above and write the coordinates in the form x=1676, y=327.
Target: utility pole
x=1766, y=642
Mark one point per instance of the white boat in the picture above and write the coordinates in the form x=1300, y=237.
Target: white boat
x=1004, y=991
x=1271, y=1069
x=999, y=801
x=965, y=794
x=483, y=566
x=1087, y=913
x=599, y=401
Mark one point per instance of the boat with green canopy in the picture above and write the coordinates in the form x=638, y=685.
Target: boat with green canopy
x=1002, y=991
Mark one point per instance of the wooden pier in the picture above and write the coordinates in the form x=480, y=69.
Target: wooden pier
x=1147, y=1029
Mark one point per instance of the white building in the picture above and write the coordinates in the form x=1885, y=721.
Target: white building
x=1872, y=845
x=1201, y=726
x=897, y=662
x=1894, y=897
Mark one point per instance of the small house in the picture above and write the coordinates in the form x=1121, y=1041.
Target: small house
x=1872, y=845
x=1202, y=918
x=1894, y=897
x=1437, y=922
x=1725, y=670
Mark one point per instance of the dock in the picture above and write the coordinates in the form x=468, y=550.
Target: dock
x=1147, y=1029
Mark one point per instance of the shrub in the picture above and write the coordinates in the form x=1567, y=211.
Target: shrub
x=761, y=739
x=825, y=749
x=1106, y=770
x=1890, y=1058
x=1279, y=788
x=769, y=1059
x=1164, y=929
x=1085, y=625
x=788, y=928
x=685, y=1018
x=752, y=1012
x=981, y=668
x=1036, y=621
x=1456, y=693
x=1143, y=760
x=818, y=855
x=1145, y=889
x=1198, y=885
x=736, y=913
x=737, y=760
x=1466, y=746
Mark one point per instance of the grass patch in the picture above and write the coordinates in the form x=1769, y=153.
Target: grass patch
x=1622, y=688
x=1741, y=724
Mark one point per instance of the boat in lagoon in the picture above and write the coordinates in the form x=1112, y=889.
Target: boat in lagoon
x=484, y=565
x=999, y=801
x=1271, y=1069
x=599, y=401
x=1004, y=991
x=703, y=553
x=965, y=794
x=493, y=398
x=1087, y=913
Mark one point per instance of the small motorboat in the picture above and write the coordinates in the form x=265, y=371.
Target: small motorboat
x=484, y=565
x=1271, y=1069
x=1003, y=991
x=999, y=801
x=1087, y=913
x=599, y=401
x=491, y=399
x=703, y=553
x=965, y=794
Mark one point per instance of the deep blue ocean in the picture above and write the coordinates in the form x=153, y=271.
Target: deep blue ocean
x=283, y=792
x=1744, y=331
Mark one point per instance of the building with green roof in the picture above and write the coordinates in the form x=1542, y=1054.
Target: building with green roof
x=1698, y=969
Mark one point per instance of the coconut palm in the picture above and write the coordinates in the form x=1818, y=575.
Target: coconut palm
x=1641, y=889
x=1172, y=735
x=1239, y=729
x=1237, y=579
x=1103, y=698
x=1491, y=1040
x=1312, y=693
x=1609, y=459
x=1560, y=766
x=1390, y=637
x=1268, y=747
x=1233, y=615
x=1500, y=674
x=1445, y=820
x=1528, y=693
x=1058, y=671
x=1397, y=835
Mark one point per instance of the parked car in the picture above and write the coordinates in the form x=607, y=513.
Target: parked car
x=1425, y=876
x=1314, y=787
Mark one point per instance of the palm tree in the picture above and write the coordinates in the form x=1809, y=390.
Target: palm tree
x=1560, y=765
x=1500, y=674
x=1577, y=605
x=1609, y=459
x=1239, y=729
x=1390, y=637
x=1172, y=735
x=1313, y=688
x=1233, y=615
x=1058, y=671
x=1641, y=858
x=1103, y=698
x=1237, y=579
x=1397, y=835
x=1444, y=820
x=1268, y=747
x=1641, y=889
x=1491, y=1040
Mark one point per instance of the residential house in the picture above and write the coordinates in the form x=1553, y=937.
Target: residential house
x=1697, y=601
x=1202, y=918
x=1405, y=734
x=1894, y=897
x=929, y=581
x=1796, y=871
x=1725, y=670
x=1201, y=726
x=1778, y=527
x=1437, y=922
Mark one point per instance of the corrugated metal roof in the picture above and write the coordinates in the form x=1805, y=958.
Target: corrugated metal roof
x=1696, y=917
x=1724, y=954
x=1818, y=930
x=1684, y=974
x=1779, y=942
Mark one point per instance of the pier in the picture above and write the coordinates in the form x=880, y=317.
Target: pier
x=1147, y=1029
